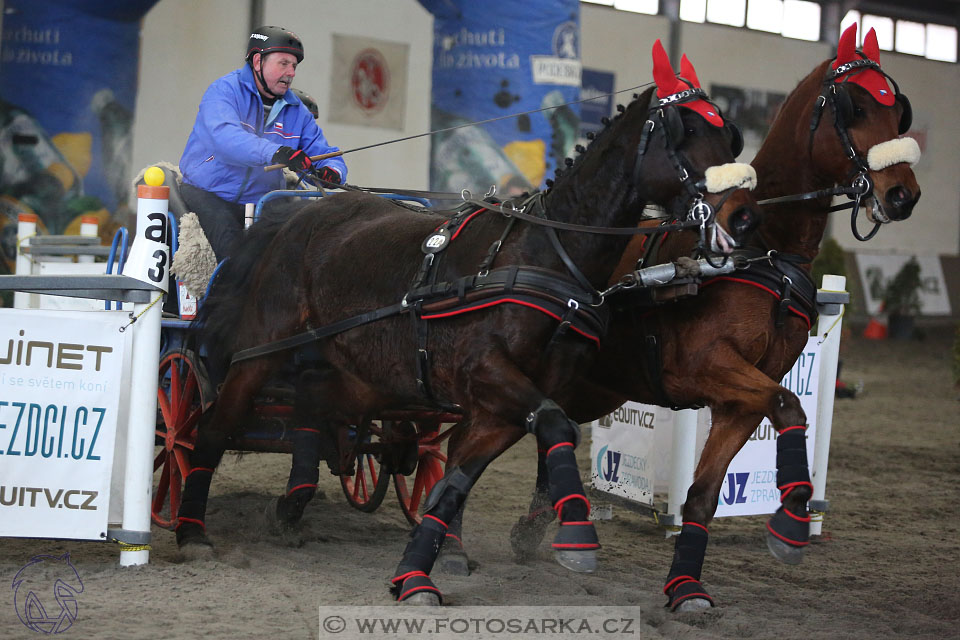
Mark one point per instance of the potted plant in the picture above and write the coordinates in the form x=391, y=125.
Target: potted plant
x=901, y=300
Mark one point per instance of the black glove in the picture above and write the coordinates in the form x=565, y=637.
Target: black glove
x=294, y=159
x=328, y=175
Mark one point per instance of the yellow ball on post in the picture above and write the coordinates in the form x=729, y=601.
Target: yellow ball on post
x=153, y=176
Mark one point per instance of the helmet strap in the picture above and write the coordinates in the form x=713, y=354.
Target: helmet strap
x=259, y=76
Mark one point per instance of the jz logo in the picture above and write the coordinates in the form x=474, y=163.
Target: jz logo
x=736, y=486
x=436, y=241
x=608, y=464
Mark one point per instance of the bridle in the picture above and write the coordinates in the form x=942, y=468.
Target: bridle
x=861, y=185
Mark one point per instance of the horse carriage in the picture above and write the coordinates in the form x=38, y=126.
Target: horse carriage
x=529, y=362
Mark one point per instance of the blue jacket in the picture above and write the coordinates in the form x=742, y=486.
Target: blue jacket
x=229, y=144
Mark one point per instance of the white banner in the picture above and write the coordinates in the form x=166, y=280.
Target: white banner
x=621, y=448
x=877, y=270
x=60, y=382
x=368, y=84
x=750, y=487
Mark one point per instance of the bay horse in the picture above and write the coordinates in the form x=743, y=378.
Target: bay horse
x=353, y=258
x=728, y=347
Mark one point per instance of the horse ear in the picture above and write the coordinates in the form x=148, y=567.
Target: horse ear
x=662, y=71
x=871, y=48
x=847, y=49
x=687, y=71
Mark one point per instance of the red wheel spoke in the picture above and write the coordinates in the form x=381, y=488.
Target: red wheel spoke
x=176, y=485
x=164, y=403
x=187, y=396
x=362, y=475
x=373, y=470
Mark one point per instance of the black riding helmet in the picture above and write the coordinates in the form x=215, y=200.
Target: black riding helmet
x=269, y=39
x=308, y=102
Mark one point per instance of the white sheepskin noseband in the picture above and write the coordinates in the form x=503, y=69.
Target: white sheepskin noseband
x=731, y=175
x=891, y=152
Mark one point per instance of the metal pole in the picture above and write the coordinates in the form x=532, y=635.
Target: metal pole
x=149, y=259
x=828, y=328
x=681, y=466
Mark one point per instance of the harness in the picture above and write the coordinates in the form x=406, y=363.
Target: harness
x=778, y=274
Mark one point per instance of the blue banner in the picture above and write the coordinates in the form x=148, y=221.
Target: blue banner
x=596, y=91
x=493, y=59
x=68, y=84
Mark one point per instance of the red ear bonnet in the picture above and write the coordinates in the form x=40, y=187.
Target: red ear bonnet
x=668, y=84
x=870, y=79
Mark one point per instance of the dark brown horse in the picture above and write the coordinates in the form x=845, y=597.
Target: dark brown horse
x=496, y=339
x=728, y=347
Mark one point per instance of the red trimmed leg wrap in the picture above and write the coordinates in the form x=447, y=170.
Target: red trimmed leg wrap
x=305, y=469
x=565, y=487
x=413, y=582
x=791, y=523
x=683, y=581
x=790, y=528
x=193, y=505
x=421, y=552
x=576, y=536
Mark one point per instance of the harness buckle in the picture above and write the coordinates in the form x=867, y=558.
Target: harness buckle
x=863, y=183
x=701, y=211
x=573, y=304
x=465, y=195
x=492, y=191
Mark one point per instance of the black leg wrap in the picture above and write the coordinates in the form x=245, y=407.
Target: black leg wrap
x=790, y=528
x=418, y=559
x=551, y=413
x=304, y=473
x=566, y=488
x=193, y=505
x=791, y=523
x=454, y=481
x=683, y=581
x=454, y=533
x=576, y=536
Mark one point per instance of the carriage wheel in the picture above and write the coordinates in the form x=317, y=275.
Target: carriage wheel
x=367, y=486
x=180, y=399
x=431, y=464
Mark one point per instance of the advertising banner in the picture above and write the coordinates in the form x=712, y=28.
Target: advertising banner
x=60, y=379
x=597, y=90
x=498, y=58
x=878, y=270
x=67, y=96
x=621, y=448
x=750, y=487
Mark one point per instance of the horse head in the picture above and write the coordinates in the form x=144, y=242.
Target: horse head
x=670, y=146
x=694, y=130
x=867, y=113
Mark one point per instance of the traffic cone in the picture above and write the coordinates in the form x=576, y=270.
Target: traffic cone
x=875, y=330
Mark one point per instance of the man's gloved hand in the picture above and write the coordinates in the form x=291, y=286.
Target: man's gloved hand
x=296, y=160
x=328, y=175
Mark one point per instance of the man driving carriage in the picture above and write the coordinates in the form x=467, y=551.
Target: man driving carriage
x=246, y=120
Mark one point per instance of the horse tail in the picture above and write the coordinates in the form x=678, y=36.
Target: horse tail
x=216, y=325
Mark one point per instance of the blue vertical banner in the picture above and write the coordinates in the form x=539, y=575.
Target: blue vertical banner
x=596, y=90
x=496, y=58
x=68, y=85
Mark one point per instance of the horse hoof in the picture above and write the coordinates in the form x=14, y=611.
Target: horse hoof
x=422, y=599
x=577, y=561
x=693, y=604
x=785, y=553
x=454, y=563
